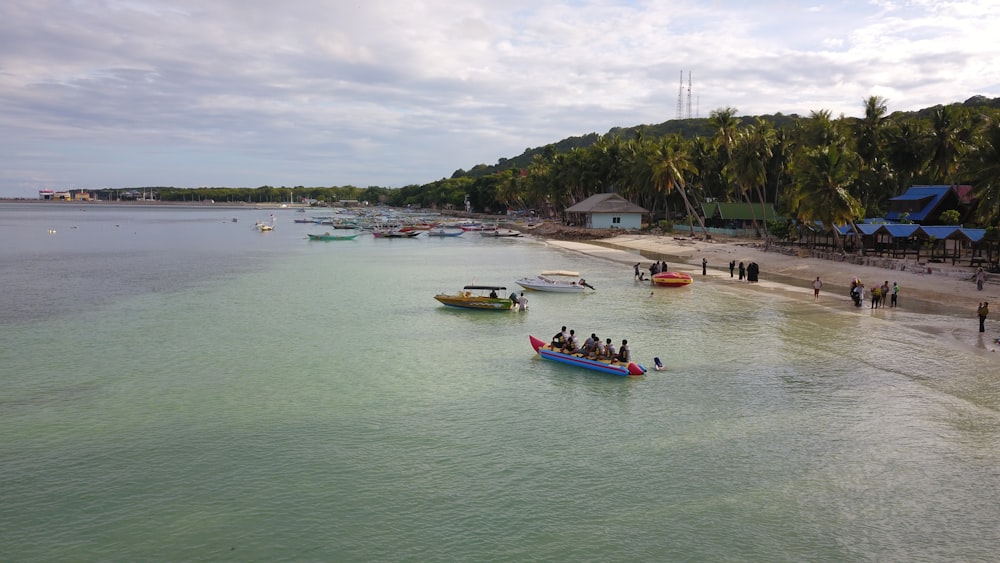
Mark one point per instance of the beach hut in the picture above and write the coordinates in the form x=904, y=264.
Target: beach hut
x=606, y=211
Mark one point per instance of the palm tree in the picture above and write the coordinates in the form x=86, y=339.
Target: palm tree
x=873, y=175
x=726, y=124
x=748, y=167
x=670, y=165
x=906, y=152
x=870, y=134
x=984, y=163
x=823, y=177
x=948, y=140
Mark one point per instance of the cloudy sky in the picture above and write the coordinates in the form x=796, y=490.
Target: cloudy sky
x=125, y=93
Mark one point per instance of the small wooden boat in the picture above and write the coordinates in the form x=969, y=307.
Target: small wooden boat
x=557, y=281
x=483, y=297
x=613, y=367
x=330, y=236
x=672, y=279
x=445, y=232
x=500, y=233
x=395, y=234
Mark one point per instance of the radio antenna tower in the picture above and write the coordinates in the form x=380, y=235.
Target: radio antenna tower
x=680, y=97
x=689, y=96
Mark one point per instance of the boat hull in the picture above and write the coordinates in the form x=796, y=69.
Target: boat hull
x=475, y=302
x=395, y=234
x=604, y=366
x=538, y=284
x=672, y=279
x=331, y=237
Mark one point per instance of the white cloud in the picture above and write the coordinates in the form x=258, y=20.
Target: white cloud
x=124, y=93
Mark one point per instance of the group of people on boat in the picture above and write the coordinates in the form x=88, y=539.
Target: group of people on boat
x=566, y=342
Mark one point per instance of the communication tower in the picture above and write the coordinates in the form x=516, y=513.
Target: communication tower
x=680, y=97
x=689, y=95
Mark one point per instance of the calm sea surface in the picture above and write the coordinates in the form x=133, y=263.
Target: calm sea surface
x=177, y=386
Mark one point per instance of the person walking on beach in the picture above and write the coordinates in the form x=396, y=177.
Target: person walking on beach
x=984, y=310
x=816, y=287
x=980, y=279
x=743, y=271
x=895, y=294
x=732, y=266
x=704, y=266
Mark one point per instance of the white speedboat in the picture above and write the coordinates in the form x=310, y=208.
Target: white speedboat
x=559, y=281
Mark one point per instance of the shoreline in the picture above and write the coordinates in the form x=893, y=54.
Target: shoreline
x=946, y=290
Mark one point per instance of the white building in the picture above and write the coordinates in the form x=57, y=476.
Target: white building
x=606, y=211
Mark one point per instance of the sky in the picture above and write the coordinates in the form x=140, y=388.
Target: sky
x=246, y=93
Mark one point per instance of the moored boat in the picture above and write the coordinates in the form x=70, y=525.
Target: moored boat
x=500, y=233
x=557, y=281
x=672, y=279
x=612, y=367
x=395, y=233
x=445, y=232
x=331, y=236
x=482, y=297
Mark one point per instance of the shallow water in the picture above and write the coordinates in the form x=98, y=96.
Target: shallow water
x=178, y=386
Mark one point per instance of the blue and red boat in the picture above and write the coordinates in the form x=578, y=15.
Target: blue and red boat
x=613, y=367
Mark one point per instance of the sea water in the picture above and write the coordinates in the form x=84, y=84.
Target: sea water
x=178, y=386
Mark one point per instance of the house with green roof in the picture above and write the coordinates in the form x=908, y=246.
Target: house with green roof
x=737, y=215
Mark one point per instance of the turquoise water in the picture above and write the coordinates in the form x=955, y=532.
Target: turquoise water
x=176, y=386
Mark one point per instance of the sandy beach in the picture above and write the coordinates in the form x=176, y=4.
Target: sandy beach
x=943, y=289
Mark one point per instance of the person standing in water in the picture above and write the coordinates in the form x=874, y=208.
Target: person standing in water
x=816, y=287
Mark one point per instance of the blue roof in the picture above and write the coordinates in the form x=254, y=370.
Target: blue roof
x=975, y=235
x=933, y=195
x=863, y=228
x=900, y=231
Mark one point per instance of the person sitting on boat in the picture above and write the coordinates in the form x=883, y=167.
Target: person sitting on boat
x=560, y=338
x=609, y=351
x=571, y=344
x=624, y=354
x=588, y=345
x=596, y=349
x=493, y=294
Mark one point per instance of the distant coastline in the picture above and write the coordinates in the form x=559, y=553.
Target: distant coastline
x=157, y=203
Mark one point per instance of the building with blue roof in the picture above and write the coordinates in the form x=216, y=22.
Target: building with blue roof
x=925, y=204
